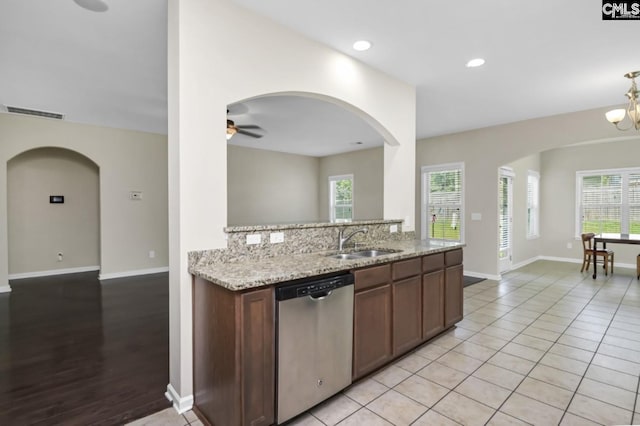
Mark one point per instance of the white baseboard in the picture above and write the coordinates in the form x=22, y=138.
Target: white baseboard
x=524, y=263
x=53, y=272
x=133, y=273
x=5, y=289
x=481, y=275
x=560, y=259
x=579, y=261
x=180, y=404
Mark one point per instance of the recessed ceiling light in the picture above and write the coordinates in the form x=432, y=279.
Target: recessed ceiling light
x=362, y=45
x=477, y=62
x=93, y=5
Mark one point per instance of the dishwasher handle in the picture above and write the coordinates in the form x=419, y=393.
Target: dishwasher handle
x=316, y=297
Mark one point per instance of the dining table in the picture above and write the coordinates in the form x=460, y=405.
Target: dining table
x=613, y=239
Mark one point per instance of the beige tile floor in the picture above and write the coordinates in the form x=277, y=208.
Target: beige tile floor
x=545, y=345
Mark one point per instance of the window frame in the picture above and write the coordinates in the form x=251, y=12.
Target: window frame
x=533, y=233
x=624, y=195
x=332, y=203
x=424, y=171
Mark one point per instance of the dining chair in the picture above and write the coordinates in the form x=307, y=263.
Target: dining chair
x=588, y=251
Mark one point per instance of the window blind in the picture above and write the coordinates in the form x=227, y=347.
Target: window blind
x=444, y=205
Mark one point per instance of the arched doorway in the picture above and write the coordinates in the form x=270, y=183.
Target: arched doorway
x=47, y=237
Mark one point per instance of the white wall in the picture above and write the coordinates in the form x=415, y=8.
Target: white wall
x=128, y=161
x=558, y=196
x=524, y=249
x=209, y=69
x=39, y=230
x=367, y=168
x=484, y=150
x=268, y=187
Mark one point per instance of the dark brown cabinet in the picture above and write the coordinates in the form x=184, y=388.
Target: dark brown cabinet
x=371, y=319
x=233, y=355
x=453, y=293
x=432, y=304
x=406, y=295
x=399, y=305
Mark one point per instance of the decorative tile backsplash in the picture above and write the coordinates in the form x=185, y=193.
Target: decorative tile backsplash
x=299, y=238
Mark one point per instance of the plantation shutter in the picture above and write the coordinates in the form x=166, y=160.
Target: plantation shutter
x=601, y=200
x=634, y=203
x=503, y=225
x=444, y=204
x=533, y=185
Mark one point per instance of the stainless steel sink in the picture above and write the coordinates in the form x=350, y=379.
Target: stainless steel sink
x=373, y=253
x=362, y=254
x=344, y=256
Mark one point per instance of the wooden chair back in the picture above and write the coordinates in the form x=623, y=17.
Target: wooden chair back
x=587, y=241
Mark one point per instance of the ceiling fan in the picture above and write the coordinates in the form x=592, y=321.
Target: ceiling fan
x=232, y=129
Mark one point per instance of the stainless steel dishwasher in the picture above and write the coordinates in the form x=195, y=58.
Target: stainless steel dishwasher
x=315, y=342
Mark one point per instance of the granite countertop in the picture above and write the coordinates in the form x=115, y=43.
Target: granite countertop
x=253, y=273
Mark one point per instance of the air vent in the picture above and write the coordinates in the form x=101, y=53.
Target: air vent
x=45, y=114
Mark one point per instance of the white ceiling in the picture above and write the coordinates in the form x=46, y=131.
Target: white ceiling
x=105, y=68
x=300, y=125
x=544, y=57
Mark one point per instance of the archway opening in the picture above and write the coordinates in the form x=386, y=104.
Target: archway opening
x=53, y=203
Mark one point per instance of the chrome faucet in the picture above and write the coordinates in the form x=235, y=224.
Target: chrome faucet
x=342, y=239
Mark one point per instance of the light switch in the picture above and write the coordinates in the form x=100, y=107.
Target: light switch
x=253, y=239
x=135, y=195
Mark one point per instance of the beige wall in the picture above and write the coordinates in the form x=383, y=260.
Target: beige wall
x=268, y=187
x=367, y=169
x=38, y=230
x=558, y=197
x=484, y=150
x=128, y=161
x=275, y=187
x=524, y=249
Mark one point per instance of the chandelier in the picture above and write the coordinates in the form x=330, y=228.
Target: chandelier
x=615, y=116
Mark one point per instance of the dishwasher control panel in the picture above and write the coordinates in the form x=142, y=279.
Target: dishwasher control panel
x=312, y=286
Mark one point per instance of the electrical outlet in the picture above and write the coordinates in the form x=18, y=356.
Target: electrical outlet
x=569, y=245
x=254, y=239
x=152, y=254
x=135, y=195
x=476, y=216
x=60, y=256
x=393, y=229
x=276, y=237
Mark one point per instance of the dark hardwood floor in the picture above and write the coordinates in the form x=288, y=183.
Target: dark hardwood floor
x=75, y=351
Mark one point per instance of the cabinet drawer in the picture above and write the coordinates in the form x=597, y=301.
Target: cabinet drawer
x=453, y=257
x=405, y=269
x=433, y=262
x=372, y=277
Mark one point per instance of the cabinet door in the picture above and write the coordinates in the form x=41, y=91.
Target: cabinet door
x=432, y=304
x=258, y=360
x=453, y=295
x=407, y=314
x=371, y=329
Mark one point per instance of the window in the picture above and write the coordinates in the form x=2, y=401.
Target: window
x=341, y=198
x=608, y=201
x=442, y=195
x=533, y=204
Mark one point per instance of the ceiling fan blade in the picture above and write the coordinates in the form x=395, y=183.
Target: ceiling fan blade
x=244, y=132
x=249, y=126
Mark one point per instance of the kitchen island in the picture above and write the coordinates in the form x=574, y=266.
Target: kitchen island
x=401, y=300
